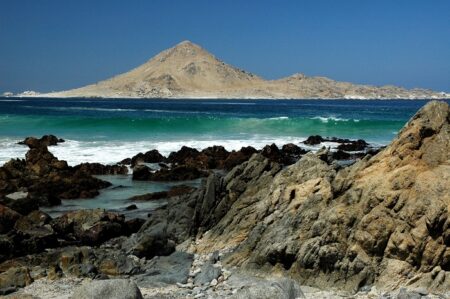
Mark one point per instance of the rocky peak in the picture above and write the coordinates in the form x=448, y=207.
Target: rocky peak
x=426, y=137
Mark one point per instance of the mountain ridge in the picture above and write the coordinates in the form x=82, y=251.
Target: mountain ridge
x=189, y=71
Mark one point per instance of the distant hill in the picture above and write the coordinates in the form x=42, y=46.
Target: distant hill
x=189, y=71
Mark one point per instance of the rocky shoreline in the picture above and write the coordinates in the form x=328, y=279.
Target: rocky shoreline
x=284, y=222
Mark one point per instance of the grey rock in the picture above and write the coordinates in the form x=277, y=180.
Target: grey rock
x=111, y=289
x=207, y=274
x=164, y=270
x=17, y=195
x=407, y=294
x=284, y=288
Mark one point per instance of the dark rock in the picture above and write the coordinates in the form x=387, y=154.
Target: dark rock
x=131, y=207
x=110, y=288
x=152, y=156
x=314, y=140
x=8, y=218
x=21, y=202
x=133, y=225
x=91, y=227
x=45, y=178
x=340, y=155
x=126, y=161
x=178, y=173
x=273, y=153
x=172, y=192
x=151, y=243
x=141, y=173
x=46, y=140
x=183, y=155
x=150, y=196
x=238, y=157
x=353, y=145
x=100, y=169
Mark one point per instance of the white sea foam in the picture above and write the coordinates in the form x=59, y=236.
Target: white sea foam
x=332, y=118
x=109, y=152
x=83, y=108
x=279, y=118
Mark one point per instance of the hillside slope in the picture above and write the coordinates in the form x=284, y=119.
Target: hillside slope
x=188, y=71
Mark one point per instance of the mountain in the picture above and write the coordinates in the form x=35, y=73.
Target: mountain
x=189, y=71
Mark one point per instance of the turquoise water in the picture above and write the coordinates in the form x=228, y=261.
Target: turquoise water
x=108, y=131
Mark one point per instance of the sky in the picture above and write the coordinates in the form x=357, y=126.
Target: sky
x=50, y=45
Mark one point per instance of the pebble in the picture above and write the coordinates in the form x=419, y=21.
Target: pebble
x=213, y=282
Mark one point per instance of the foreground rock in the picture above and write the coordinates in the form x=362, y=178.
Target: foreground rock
x=111, y=289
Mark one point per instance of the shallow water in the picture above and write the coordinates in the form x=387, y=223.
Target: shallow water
x=115, y=198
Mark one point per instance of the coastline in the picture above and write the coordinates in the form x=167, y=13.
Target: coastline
x=270, y=223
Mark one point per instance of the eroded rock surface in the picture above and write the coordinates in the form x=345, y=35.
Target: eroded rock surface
x=383, y=221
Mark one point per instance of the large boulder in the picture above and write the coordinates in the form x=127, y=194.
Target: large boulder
x=111, y=289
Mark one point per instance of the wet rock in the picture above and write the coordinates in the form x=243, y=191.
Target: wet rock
x=46, y=179
x=185, y=153
x=141, y=173
x=273, y=153
x=355, y=145
x=172, y=192
x=46, y=140
x=340, y=155
x=100, y=169
x=131, y=207
x=110, y=288
x=126, y=161
x=152, y=156
x=217, y=156
x=314, y=140
x=178, y=173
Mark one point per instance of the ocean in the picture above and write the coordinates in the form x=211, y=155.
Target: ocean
x=108, y=131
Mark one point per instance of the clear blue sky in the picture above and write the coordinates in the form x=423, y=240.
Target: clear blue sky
x=52, y=45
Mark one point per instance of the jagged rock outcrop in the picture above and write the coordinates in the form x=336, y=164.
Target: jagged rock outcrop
x=41, y=179
x=383, y=221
